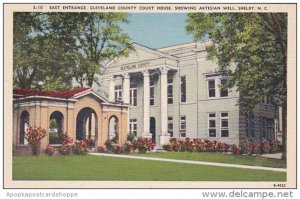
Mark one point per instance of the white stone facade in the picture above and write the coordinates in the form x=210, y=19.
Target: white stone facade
x=174, y=91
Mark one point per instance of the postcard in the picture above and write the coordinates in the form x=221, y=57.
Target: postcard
x=142, y=95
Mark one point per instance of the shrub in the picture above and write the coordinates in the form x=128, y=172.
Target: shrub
x=101, y=149
x=130, y=137
x=129, y=146
x=257, y=149
x=275, y=146
x=66, y=139
x=145, y=144
x=189, y=145
x=200, y=146
x=211, y=145
x=265, y=147
x=35, y=134
x=90, y=142
x=80, y=147
x=222, y=147
x=181, y=146
x=167, y=147
x=236, y=149
x=65, y=149
x=50, y=150
x=109, y=145
x=174, y=144
x=118, y=149
x=249, y=148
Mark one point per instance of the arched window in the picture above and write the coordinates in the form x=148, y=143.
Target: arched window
x=113, y=131
x=55, y=127
x=24, y=123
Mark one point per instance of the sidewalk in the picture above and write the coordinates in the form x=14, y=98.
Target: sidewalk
x=272, y=155
x=191, y=162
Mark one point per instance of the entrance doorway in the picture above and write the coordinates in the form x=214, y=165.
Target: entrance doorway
x=153, y=128
x=86, y=124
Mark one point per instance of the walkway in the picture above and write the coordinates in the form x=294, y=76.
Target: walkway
x=191, y=162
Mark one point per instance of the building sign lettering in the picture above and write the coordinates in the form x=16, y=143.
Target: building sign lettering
x=134, y=66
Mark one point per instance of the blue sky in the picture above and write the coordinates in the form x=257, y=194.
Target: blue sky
x=158, y=29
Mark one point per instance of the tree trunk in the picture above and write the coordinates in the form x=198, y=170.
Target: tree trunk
x=284, y=128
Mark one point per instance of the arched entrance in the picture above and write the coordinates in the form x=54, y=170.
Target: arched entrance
x=113, y=128
x=24, y=123
x=56, y=127
x=86, y=124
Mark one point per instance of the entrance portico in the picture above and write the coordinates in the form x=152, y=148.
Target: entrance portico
x=146, y=69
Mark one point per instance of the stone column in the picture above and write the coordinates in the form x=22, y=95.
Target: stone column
x=126, y=88
x=164, y=137
x=112, y=89
x=146, y=130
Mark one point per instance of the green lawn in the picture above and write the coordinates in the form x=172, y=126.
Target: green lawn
x=219, y=157
x=120, y=169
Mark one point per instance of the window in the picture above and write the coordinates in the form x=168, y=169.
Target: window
x=182, y=126
x=24, y=124
x=211, y=88
x=224, y=125
x=249, y=119
x=133, y=94
x=118, y=93
x=152, y=92
x=170, y=126
x=267, y=128
x=223, y=91
x=170, y=90
x=133, y=126
x=214, y=86
x=270, y=129
x=113, y=131
x=55, y=127
x=212, y=125
x=268, y=100
x=183, y=89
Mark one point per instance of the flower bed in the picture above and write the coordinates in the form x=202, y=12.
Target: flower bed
x=195, y=145
x=80, y=147
x=142, y=144
x=204, y=145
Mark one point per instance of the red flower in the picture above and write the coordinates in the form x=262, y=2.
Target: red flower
x=34, y=134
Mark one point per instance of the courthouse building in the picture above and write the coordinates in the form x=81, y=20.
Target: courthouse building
x=174, y=92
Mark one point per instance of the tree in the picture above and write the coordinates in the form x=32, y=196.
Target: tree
x=256, y=44
x=52, y=49
x=27, y=55
x=92, y=39
x=37, y=56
